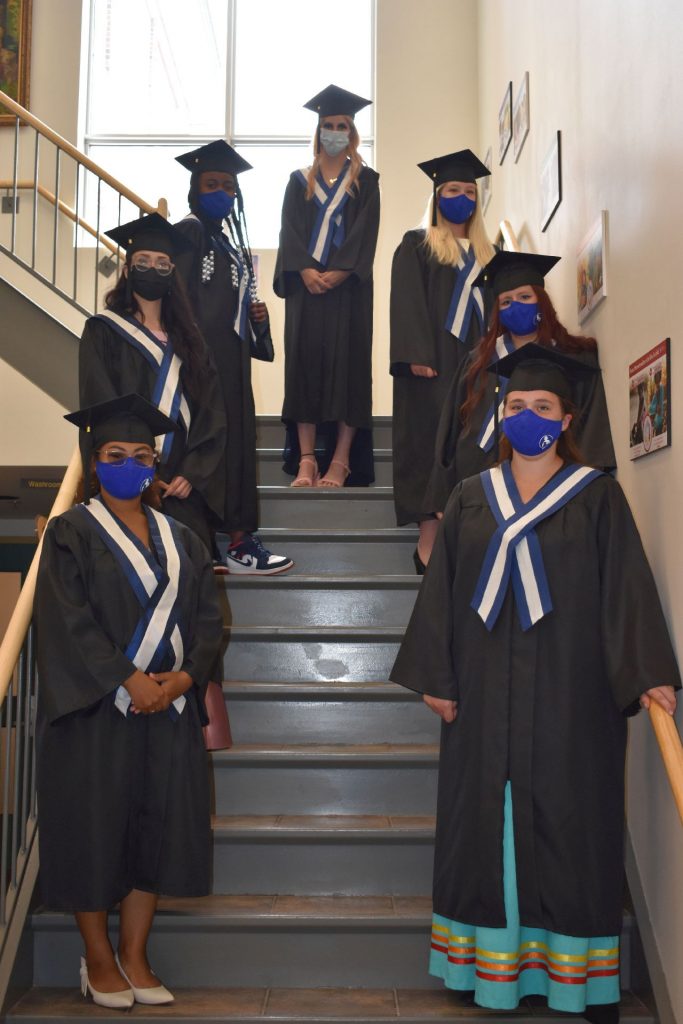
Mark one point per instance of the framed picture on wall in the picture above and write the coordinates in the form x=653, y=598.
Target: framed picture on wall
x=15, y=53
x=649, y=398
x=551, y=181
x=485, y=187
x=505, y=123
x=591, y=269
x=520, y=117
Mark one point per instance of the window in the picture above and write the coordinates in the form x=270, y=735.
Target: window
x=166, y=76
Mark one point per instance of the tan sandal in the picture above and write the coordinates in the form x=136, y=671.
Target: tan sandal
x=324, y=482
x=310, y=480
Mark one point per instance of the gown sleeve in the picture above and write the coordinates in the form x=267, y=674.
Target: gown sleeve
x=444, y=475
x=425, y=661
x=292, y=254
x=98, y=364
x=412, y=337
x=203, y=458
x=188, y=263
x=207, y=632
x=78, y=664
x=592, y=428
x=357, y=252
x=635, y=639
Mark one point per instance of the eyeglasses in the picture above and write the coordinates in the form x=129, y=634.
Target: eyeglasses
x=116, y=457
x=162, y=266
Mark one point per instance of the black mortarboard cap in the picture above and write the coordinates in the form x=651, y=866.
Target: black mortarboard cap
x=334, y=100
x=150, y=232
x=128, y=418
x=214, y=156
x=509, y=270
x=461, y=166
x=535, y=367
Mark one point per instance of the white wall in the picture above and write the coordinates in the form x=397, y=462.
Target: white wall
x=608, y=75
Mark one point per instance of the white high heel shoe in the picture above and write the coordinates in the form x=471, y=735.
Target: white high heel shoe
x=157, y=996
x=112, y=1000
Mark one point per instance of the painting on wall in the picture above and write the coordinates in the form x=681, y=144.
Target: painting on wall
x=551, y=182
x=505, y=123
x=15, y=52
x=485, y=187
x=520, y=117
x=591, y=269
x=649, y=396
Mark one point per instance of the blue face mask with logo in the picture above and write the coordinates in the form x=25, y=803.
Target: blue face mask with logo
x=529, y=433
x=520, y=318
x=457, y=209
x=125, y=480
x=216, y=205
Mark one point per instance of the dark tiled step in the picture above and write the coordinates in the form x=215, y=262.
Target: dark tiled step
x=382, y=551
x=270, y=431
x=347, y=507
x=269, y=466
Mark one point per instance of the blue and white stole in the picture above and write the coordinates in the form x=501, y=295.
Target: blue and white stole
x=242, y=282
x=514, y=550
x=167, y=393
x=466, y=301
x=328, y=230
x=486, y=439
x=157, y=585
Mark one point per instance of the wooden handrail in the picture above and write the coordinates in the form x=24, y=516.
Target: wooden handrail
x=67, y=210
x=671, y=750
x=10, y=648
x=509, y=237
x=67, y=147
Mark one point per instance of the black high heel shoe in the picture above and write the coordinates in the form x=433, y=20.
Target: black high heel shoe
x=420, y=566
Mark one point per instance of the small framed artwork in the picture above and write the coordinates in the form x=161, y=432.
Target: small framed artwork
x=505, y=123
x=649, y=397
x=15, y=52
x=551, y=181
x=591, y=269
x=485, y=193
x=520, y=117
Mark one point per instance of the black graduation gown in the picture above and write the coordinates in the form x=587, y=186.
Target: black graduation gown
x=109, y=366
x=328, y=338
x=214, y=307
x=543, y=708
x=421, y=293
x=458, y=455
x=123, y=802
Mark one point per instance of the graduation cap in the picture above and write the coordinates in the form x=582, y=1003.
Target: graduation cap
x=534, y=367
x=334, y=100
x=129, y=418
x=509, y=270
x=214, y=156
x=461, y=166
x=150, y=232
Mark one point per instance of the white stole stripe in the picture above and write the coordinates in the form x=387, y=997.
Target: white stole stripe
x=504, y=346
x=468, y=294
x=331, y=203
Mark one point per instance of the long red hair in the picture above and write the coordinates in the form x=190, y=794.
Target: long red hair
x=549, y=330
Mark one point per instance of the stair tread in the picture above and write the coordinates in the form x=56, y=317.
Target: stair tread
x=372, y=533
x=332, y=824
x=332, y=689
x=332, y=751
x=379, y=454
x=319, y=632
x=376, y=492
x=218, y=1004
x=338, y=581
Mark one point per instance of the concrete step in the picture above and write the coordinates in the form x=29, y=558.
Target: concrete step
x=327, y=600
x=335, y=712
x=269, y=467
x=384, y=551
x=315, y=1006
x=359, y=507
x=314, y=855
x=291, y=778
x=299, y=653
x=270, y=432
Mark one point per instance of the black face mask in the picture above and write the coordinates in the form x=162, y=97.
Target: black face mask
x=150, y=284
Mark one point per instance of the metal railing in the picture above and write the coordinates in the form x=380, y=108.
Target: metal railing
x=70, y=193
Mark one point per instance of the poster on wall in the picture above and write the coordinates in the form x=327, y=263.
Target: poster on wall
x=486, y=182
x=649, y=396
x=551, y=181
x=505, y=123
x=15, y=51
x=520, y=117
x=591, y=269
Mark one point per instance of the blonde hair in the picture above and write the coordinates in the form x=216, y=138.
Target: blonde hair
x=443, y=245
x=354, y=157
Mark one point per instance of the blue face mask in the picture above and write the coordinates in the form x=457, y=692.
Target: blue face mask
x=529, y=433
x=216, y=205
x=333, y=143
x=124, y=481
x=521, y=318
x=457, y=209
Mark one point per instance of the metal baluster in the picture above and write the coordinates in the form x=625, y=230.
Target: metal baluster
x=97, y=240
x=78, y=180
x=18, y=736
x=5, y=803
x=33, y=788
x=28, y=735
x=118, y=251
x=14, y=186
x=58, y=165
x=35, y=203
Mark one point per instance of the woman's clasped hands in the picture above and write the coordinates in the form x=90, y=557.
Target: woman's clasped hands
x=156, y=691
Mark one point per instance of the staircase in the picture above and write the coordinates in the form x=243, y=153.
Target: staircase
x=324, y=826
